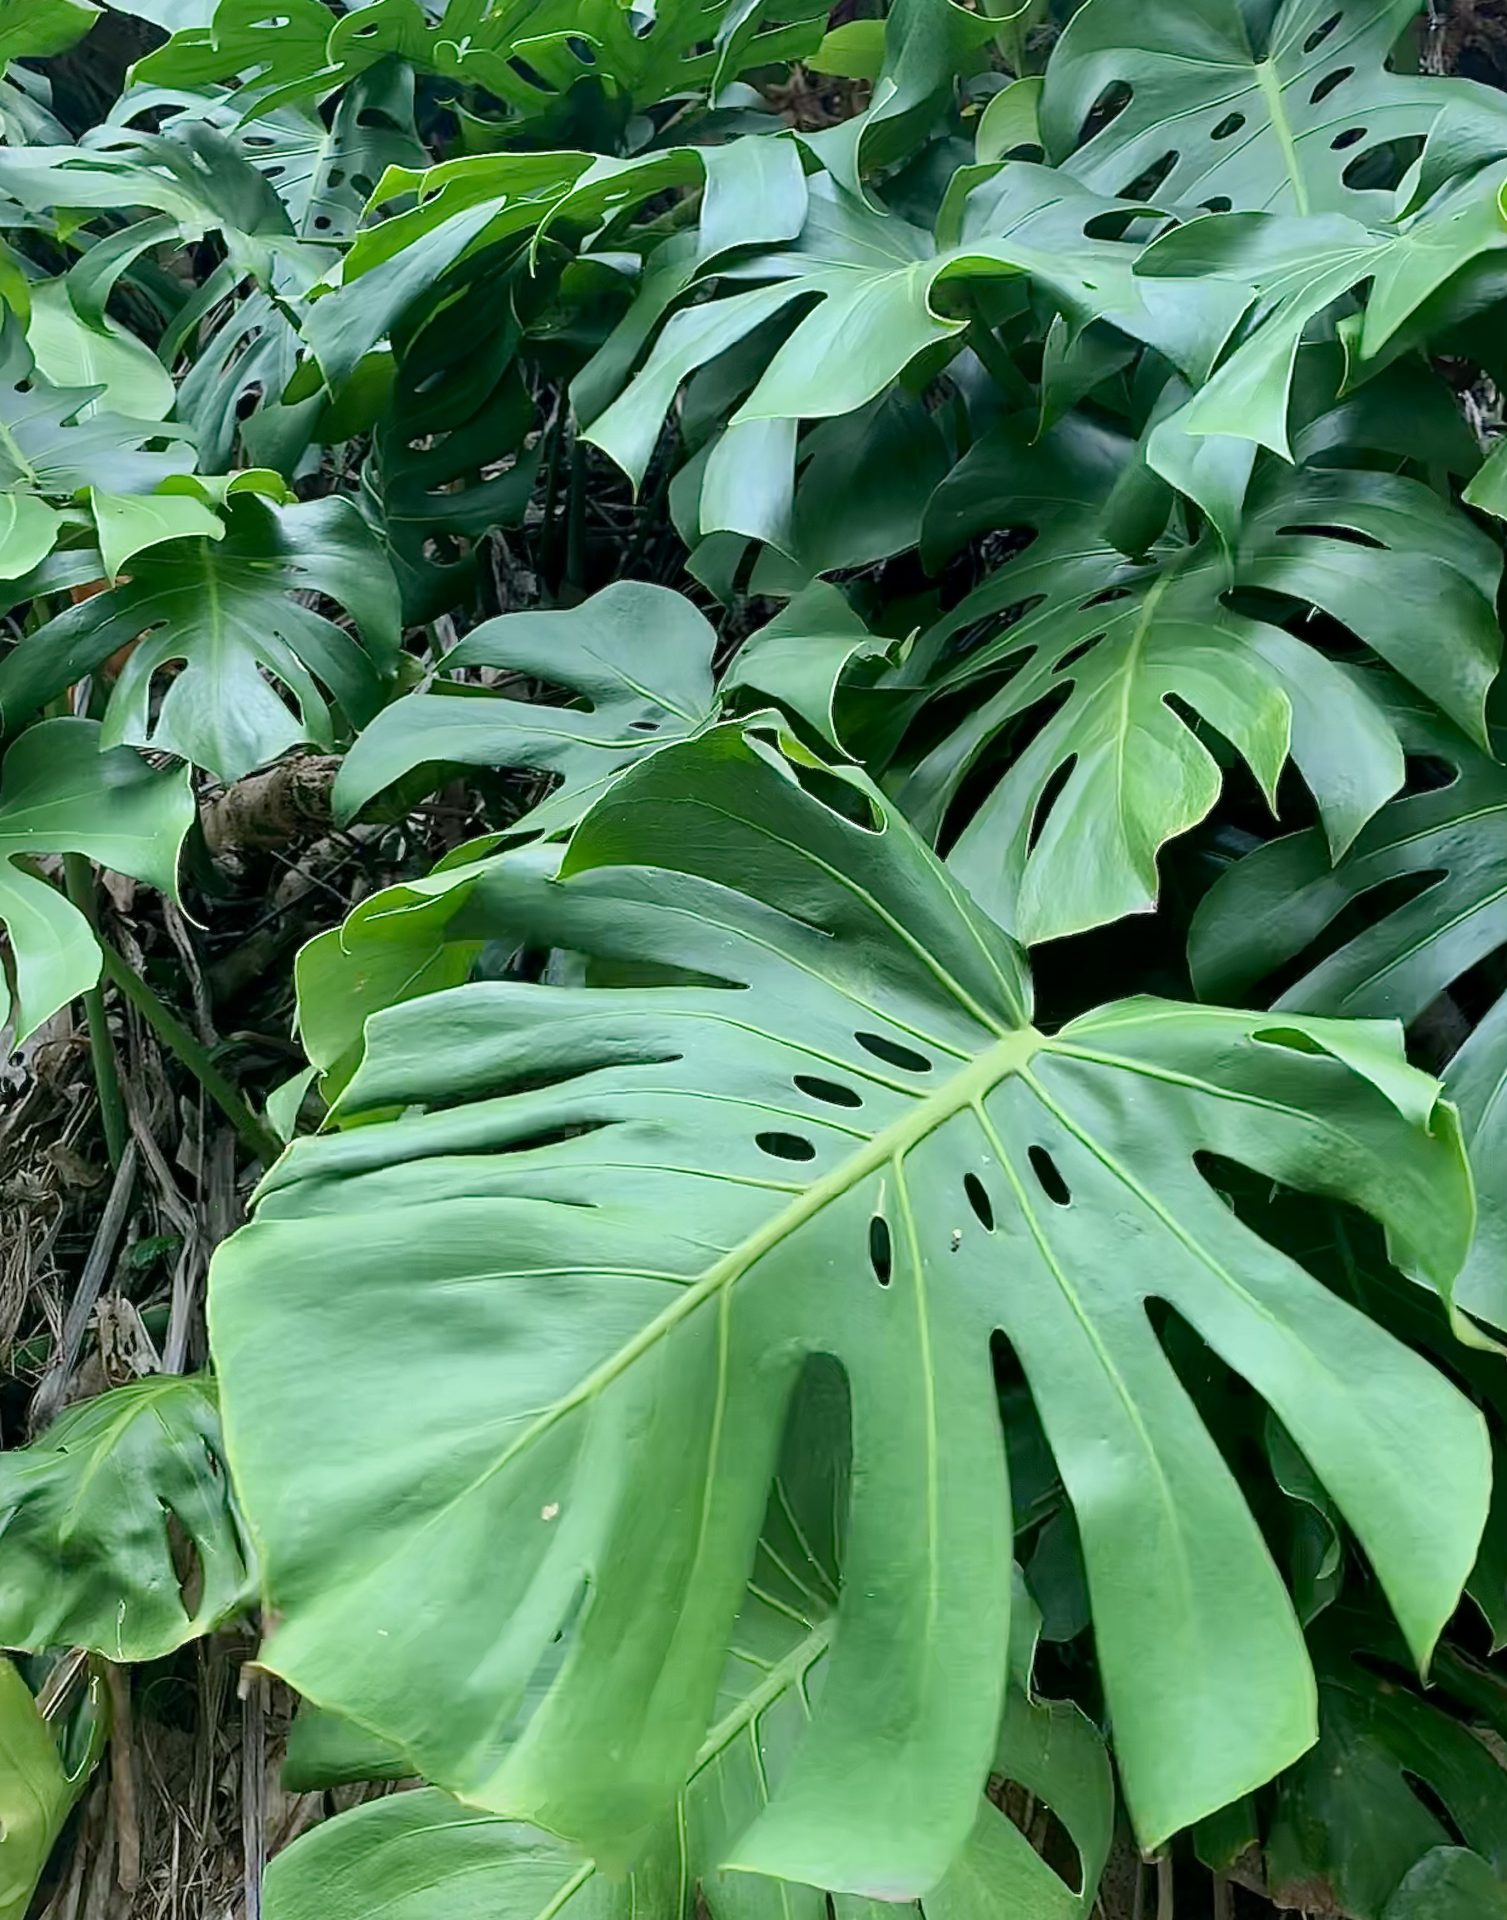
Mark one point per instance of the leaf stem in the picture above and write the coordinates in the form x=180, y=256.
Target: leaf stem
x=256, y=1135
x=78, y=882
x=998, y=362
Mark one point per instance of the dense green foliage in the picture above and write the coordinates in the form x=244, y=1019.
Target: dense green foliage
x=787, y=1305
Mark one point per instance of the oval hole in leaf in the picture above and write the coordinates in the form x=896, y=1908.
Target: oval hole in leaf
x=881, y=1253
x=1112, y=101
x=785, y=1146
x=1049, y=1177
x=1348, y=138
x=1328, y=84
x=1351, y=535
x=829, y=1090
x=978, y=1199
x=1230, y=125
x=893, y=1052
x=1322, y=32
x=1221, y=203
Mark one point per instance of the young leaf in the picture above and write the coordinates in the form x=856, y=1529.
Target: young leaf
x=60, y=794
x=610, y=1222
x=89, y=1512
x=37, y=1792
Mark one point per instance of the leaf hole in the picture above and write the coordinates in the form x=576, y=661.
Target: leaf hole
x=1432, y=1801
x=978, y=1199
x=832, y=1091
x=1221, y=203
x=1074, y=654
x=1348, y=138
x=1110, y=104
x=1328, y=84
x=1052, y=790
x=1228, y=127
x=785, y=1146
x=1322, y=32
x=881, y=1249
x=1146, y=184
x=1427, y=773
x=893, y=1052
x=1049, y=1177
x=1353, y=536
x=643, y=726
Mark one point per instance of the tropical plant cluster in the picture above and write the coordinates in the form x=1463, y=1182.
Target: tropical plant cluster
x=890, y=1293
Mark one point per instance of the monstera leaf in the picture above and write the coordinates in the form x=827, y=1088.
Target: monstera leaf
x=777, y=1666
x=1445, y=847
x=89, y=1513
x=1251, y=104
x=1297, y=269
x=886, y=291
x=1050, y=855
x=60, y=794
x=217, y=621
x=56, y=442
x=1356, y=1816
x=639, y=657
x=40, y=1781
x=589, y=1235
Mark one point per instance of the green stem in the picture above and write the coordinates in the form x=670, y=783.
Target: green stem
x=998, y=363
x=170, y=1030
x=78, y=880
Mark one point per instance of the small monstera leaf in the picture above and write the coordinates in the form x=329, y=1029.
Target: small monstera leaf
x=41, y=1779
x=1379, y=553
x=1356, y=1817
x=1286, y=105
x=216, y=627
x=637, y=657
x=589, y=1235
x=1446, y=847
x=495, y=1870
x=56, y=442
x=121, y=1531
x=60, y=794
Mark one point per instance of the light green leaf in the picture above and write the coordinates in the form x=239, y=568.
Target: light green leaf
x=128, y=524
x=28, y=531
x=802, y=657
x=37, y=1792
x=1488, y=490
x=60, y=794
x=71, y=353
x=89, y=1513
x=223, y=612
x=589, y=1234
x=35, y=29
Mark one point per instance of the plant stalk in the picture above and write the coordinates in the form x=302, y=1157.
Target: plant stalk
x=256, y=1135
x=78, y=881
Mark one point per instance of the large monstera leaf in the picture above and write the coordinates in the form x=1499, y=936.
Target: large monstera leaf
x=1068, y=837
x=1443, y=849
x=60, y=794
x=216, y=627
x=89, y=1514
x=612, y=1222
x=1251, y=104
x=428, y=1843
x=637, y=657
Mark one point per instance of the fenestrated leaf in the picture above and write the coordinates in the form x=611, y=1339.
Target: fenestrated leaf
x=1378, y=552
x=609, y=1225
x=1297, y=269
x=218, y=622
x=777, y=1667
x=1449, y=843
x=89, y=1511
x=1350, y=1823
x=60, y=794
x=1246, y=103
x=55, y=441
x=637, y=657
